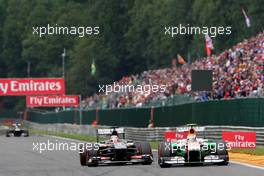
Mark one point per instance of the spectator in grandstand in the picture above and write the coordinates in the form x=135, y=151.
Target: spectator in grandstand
x=237, y=72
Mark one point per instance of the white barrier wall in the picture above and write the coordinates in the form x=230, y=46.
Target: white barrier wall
x=146, y=134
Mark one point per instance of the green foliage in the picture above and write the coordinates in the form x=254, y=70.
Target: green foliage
x=131, y=37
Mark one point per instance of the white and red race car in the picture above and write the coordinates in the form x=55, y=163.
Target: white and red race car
x=192, y=150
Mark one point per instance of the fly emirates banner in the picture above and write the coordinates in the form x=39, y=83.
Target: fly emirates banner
x=52, y=101
x=32, y=86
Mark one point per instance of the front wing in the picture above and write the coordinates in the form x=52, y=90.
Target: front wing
x=210, y=159
x=108, y=160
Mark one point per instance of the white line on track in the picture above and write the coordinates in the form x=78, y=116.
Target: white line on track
x=247, y=165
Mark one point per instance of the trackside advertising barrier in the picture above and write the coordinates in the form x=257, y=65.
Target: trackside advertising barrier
x=31, y=86
x=52, y=101
x=240, y=139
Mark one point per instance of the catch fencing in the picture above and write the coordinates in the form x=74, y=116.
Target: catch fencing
x=235, y=112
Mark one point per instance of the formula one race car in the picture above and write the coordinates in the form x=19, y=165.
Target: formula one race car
x=115, y=150
x=16, y=131
x=192, y=150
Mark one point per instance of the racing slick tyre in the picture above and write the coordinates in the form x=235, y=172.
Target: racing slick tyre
x=7, y=134
x=144, y=148
x=82, y=156
x=89, y=155
x=222, y=153
x=83, y=159
x=164, y=152
x=26, y=133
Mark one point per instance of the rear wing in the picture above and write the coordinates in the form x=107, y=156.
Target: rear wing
x=201, y=130
x=108, y=131
x=182, y=129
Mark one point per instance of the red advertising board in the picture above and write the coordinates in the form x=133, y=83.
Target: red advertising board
x=31, y=86
x=52, y=101
x=173, y=135
x=240, y=139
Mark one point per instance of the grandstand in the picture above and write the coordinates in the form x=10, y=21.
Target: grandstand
x=237, y=72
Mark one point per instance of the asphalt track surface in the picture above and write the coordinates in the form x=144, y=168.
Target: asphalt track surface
x=17, y=158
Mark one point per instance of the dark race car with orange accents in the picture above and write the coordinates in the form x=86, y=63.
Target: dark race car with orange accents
x=115, y=150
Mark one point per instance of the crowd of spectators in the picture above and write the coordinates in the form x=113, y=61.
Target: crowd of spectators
x=237, y=72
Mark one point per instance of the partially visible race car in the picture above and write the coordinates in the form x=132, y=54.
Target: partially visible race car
x=17, y=131
x=192, y=150
x=115, y=150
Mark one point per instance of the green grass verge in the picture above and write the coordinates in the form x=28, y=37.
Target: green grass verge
x=154, y=144
x=65, y=135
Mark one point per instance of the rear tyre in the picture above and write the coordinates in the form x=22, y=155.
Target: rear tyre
x=164, y=152
x=144, y=148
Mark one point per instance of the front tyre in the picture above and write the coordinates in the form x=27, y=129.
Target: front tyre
x=90, y=154
x=26, y=133
x=7, y=134
x=223, y=153
x=83, y=154
x=163, y=152
x=83, y=158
